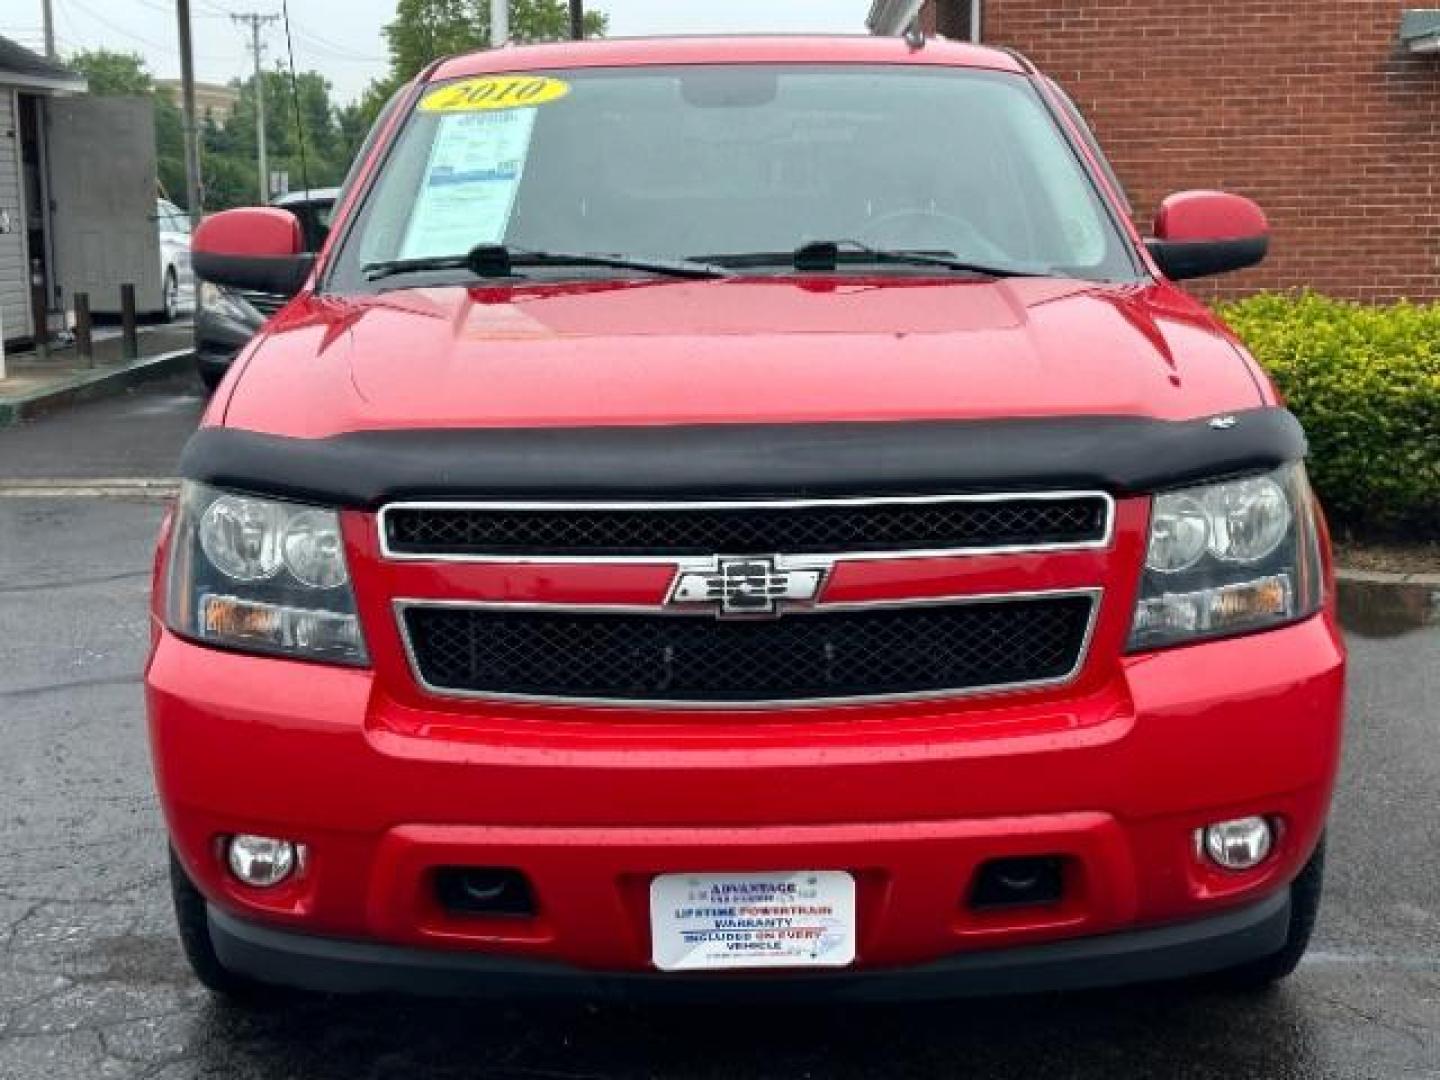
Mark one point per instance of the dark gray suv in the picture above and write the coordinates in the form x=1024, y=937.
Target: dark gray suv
x=225, y=319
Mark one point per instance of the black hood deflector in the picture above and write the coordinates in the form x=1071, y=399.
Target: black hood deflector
x=1119, y=454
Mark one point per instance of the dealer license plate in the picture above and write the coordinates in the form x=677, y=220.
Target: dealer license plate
x=726, y=922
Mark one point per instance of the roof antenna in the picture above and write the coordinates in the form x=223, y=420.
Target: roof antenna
x=915, y=35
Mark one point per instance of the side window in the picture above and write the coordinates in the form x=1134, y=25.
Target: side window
x=171, y=218
x=321, y=215
x=366, y=149
x=314, y=221
x=369, y=144
x=1078, y=118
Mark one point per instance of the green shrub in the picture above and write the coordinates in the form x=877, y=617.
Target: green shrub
x=1365, y=382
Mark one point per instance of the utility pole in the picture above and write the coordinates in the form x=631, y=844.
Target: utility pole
x=49, y=18
x=257, y=46
x=577, y=20
x=187, y=115
x=499, y=23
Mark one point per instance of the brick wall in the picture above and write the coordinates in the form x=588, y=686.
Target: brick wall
x=1313, y=109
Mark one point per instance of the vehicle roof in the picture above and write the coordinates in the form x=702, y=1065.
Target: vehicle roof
x=314, y=195
x=756, y=49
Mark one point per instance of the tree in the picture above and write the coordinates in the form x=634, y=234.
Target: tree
x=352, y=125
x=228, y=181
x=425, y=30
x=234, y=142
x=113, y=74
x=118, y=74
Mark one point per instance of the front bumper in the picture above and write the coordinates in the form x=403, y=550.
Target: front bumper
x=219, y=339
x=1114, y=779
x=335, y=966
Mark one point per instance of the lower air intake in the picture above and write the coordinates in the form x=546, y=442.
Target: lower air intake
x=692, y=660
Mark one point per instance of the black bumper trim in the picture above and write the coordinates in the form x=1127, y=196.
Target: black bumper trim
x=1118, y=454
x=334, y=966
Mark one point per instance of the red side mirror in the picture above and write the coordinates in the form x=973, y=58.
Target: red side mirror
x=259, y=248
x=1208, y=232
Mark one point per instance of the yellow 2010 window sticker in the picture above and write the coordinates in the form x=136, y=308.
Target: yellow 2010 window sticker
x=494, y=92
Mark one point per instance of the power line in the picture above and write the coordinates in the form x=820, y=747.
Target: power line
x=155, y=5
x=306, y=32
x=122, y=30
x=216, y=9
x=150, y=43
x=331, y=49
x=22, y=35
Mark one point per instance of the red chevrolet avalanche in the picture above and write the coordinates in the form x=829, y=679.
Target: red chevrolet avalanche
x=742, y=517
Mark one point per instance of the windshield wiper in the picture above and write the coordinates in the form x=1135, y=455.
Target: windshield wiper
x=500, y=261
x=826, y=256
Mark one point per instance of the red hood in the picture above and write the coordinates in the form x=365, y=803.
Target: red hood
x=775, y=350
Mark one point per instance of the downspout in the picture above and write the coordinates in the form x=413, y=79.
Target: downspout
x=975, y=10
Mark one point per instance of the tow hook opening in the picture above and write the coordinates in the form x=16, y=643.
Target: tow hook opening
x=485, y=891
x=1026, y=882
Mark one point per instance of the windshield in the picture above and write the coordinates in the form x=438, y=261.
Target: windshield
x=734, y=162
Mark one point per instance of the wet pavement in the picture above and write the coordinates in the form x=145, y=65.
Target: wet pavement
x=92, y=983
x=138, y=433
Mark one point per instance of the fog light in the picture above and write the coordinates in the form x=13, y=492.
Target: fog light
x=262, y=861
x=1242, y=844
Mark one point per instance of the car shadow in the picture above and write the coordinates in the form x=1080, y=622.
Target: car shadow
x=1160, y=1031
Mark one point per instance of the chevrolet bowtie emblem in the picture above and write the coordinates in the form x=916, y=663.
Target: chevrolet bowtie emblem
x=742, y=586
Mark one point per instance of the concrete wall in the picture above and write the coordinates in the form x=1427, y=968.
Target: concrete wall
x=14, y=276
x=1314, y=109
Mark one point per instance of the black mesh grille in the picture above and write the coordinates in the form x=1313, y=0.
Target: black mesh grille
x=642, y=657
x=771, y=530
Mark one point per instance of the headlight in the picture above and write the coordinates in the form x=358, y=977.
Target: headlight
x=261, y=576
x=227, y=304
x=1229, y=558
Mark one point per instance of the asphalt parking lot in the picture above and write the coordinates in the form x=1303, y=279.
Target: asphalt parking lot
x=92, y=983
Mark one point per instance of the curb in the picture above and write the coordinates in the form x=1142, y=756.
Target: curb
x=148, y=489
x=1380, y=604
x=89, y=385
x=1385, y=577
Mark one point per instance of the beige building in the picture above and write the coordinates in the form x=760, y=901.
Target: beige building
x=212, y=99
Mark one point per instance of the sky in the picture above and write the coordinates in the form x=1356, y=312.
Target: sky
x=341, y=38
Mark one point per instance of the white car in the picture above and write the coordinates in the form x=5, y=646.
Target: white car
x=176, y=281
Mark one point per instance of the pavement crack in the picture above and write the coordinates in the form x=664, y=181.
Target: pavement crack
x=1375, y=1020
x=148, y=1066
x=63, y=986
x=147, y=881
x=14, y=927
x=71, y=583
x=89, y=1027
x=74, y=684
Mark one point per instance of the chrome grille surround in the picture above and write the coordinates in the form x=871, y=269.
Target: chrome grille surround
x=684, y=564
